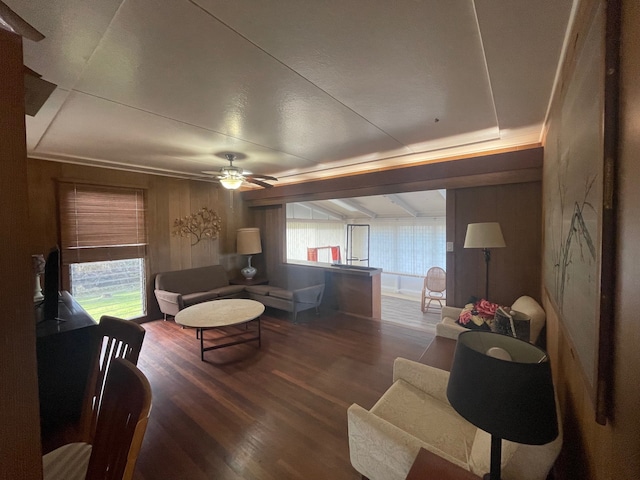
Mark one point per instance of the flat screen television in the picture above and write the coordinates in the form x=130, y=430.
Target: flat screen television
x=51, y=288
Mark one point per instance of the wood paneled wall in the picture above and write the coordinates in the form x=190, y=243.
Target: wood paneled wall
x=272, y=223
x=20, y=449
x=513, y=270
x=167, y=199
x=593, y=451
x=506, y=188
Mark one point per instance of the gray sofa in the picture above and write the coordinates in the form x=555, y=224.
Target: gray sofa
x=180, y=289
x=293, y=301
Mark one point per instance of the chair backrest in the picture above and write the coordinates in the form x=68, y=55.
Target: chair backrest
x=122, y=422
x=436, y=280
x=117, y=339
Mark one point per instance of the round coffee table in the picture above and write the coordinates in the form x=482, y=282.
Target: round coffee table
x=223, y=313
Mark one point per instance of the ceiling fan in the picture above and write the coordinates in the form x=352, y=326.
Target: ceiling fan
x=232, y=177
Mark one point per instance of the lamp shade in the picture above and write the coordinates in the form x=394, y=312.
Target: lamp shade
x=510, y=399
x=484, y=235
x=248, y=241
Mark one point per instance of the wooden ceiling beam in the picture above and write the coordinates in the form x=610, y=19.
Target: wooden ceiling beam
x=497, y=169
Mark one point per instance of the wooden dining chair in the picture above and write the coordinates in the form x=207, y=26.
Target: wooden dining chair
x=118, y=338
x=120, y=429
x=435, y=284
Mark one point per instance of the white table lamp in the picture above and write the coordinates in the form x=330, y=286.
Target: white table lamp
x=248, y=243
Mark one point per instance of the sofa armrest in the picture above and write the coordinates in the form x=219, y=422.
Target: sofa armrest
x=170, y=302
x=312, y=294
x=448, y=328
x=430, y=380
x=450, y=312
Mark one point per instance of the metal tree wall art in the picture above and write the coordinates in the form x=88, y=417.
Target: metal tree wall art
x=205, y=223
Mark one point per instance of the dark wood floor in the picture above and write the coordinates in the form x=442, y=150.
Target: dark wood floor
x=278, y=412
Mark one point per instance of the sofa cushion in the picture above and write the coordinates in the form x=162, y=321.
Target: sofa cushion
x=193, y=298
x=437, y=423
x=260, y=289
x=192, y=280
x=519, y=461
x=281, y=293
x=228, y=290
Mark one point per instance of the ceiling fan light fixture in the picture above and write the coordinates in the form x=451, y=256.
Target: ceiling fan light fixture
x=231, y=183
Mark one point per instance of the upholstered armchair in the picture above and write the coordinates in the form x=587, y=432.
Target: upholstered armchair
x=413, y=413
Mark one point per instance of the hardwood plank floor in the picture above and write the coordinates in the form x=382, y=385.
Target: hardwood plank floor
x=275, y=412
x=406, y=311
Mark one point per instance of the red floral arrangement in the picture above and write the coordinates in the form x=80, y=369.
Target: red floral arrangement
x=479, y=313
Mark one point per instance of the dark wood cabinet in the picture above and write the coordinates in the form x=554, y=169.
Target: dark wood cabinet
x=65, y=350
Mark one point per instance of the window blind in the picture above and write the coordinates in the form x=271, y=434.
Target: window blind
x=100, y=223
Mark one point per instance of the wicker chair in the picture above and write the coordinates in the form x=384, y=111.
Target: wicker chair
x=435, y=284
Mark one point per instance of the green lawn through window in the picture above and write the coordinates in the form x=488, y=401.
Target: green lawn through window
x=122, y=305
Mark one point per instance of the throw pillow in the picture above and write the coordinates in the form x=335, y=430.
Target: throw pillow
x=478, y=315
x=512, y=323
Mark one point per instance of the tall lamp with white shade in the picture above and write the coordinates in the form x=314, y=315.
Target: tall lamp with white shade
x=485, y=236
x=248, y=243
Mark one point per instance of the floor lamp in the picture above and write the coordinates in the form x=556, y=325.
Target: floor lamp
x=485, y=236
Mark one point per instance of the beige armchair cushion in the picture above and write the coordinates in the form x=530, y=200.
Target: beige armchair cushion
x=384, y=441
x=518, y=461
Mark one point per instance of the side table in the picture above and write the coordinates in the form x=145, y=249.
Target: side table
x=439, y=353
x=253, y=281
x=429, y=466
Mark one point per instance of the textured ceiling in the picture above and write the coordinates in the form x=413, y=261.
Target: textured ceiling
x=299, y=89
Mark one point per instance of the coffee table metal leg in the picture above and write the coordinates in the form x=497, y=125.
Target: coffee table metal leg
x=200, y=333
x=201, y=344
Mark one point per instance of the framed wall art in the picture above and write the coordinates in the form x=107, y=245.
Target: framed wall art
x=579, y=200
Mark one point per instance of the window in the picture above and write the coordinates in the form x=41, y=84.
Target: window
x=408, y=246
x=103, y=243
x=309, y=229
x=401, y=246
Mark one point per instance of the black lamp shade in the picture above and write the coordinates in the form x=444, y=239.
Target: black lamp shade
x=512, y=400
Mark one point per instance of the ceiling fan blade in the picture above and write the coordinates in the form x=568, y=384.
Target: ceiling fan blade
x=257, y=182
x=262, y=177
